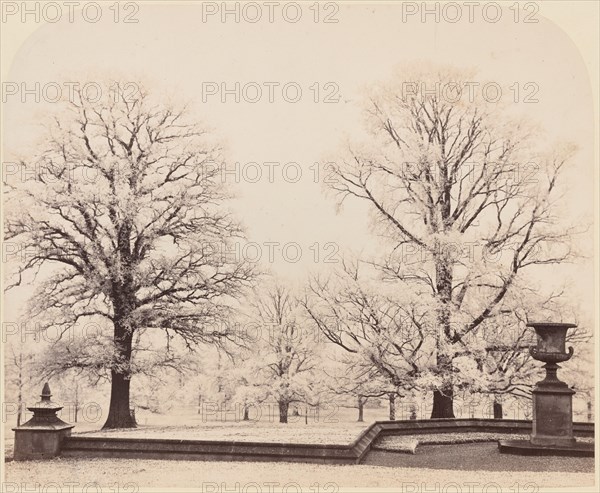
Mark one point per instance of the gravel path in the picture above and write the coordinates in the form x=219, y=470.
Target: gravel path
x=136, y=475
x=478, y=457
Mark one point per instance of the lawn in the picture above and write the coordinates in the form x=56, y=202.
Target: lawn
x=409, y=443
x=247, y=431
x=336, y=426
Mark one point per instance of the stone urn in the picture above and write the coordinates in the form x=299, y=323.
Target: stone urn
x=552, y=427
x=552, y=398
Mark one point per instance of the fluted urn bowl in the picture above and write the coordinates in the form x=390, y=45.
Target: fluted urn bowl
x=551, y=342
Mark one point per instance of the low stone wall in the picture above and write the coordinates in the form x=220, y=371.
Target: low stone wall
x=409, y=427
x=150, y=448
x=206, y=450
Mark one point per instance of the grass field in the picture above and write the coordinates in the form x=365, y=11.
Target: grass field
x=336, y=425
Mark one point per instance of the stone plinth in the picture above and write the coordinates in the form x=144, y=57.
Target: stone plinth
x=41, y=437
x=552, y=398
x=552, y=416
x=552, y=431
x=525, y=447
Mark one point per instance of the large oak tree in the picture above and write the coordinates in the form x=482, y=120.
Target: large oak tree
x=465, y=198
x=119, y=215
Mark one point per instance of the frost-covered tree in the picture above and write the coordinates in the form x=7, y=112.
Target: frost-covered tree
x=386, y=334
x=286, y=351
x=21, y=378
x=503, y=365
x=359, y=381
x=116, y=213
x=234, y=385
x=466, y=199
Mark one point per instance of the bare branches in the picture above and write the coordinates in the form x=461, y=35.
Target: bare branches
x=288, y=352
x=444, y=173
x=384, y=333
x=467, y=206
x=124, y=207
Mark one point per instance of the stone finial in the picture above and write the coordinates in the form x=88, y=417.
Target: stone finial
x=46, y=394
x=45, y=403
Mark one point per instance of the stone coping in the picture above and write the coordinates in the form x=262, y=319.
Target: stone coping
x=182, y=449
x=524, y=447
x=42, y=427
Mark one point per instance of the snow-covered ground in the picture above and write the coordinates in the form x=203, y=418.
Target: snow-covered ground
x=136, y=475
x=382, y=469
x=246, y=432
x=339, y=427
x=409, y=443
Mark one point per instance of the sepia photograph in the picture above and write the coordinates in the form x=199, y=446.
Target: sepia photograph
x=300, y=246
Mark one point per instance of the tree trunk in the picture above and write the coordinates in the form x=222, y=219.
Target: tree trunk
x=283, y=411
x=443, y=403
x=497, y=409
x=392, y=406
x=119, y=412
x=413, y=411
x=20, y=398
x=123, y=299
x=76, y=401
x=361, y=407
x=443, y=398
x=246, y=413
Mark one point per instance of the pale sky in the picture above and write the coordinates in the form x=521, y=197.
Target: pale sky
x=173, y=51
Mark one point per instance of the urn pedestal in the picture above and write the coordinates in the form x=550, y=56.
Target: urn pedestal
x=552, y=398
x=552, y=417
x=41, y=437
x=552, y=427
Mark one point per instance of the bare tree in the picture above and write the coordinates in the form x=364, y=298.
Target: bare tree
x=464, y=187
x=352, y=377
x=287, y=349
x=20, y=372
x=507, y=368
x=387, y=337
x=116, y=214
